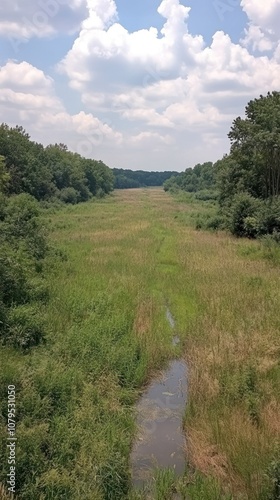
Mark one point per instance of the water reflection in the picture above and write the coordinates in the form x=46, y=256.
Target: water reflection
x=160, y=440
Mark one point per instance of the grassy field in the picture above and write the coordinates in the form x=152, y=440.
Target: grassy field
x=127, y=258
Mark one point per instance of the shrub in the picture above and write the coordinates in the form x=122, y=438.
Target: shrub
x=13, y=280
x=208, y=221
x=69, y=195
x=23, y=225
x=265, y=221
x=100, y=193
x=243, y=206
x=252, y=217
x=52, y=204
x=23, y=247
x=268, y=217
x=20, y=210
x=206, y=195
x=216, y=222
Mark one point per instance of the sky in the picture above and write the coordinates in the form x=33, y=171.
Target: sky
x=139, y=84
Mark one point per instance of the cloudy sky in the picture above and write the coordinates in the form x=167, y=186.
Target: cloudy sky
x=139, y=84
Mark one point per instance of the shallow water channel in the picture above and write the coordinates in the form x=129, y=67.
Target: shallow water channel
x=160, y=440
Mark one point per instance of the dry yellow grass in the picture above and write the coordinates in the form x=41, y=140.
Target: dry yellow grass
x=4, y=494
x=206, y=457
x=143, y=318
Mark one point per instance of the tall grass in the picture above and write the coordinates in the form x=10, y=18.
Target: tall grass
x=127, y=258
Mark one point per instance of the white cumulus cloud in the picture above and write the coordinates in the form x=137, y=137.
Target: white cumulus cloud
x=266, y=14
x=263, y=31
x=27, y=97
x=21, y=20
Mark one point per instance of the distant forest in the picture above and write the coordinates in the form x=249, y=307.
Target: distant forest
x=125, y=179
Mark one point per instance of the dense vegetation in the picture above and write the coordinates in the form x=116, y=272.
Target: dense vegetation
x=199, y=178
x=52, y=173
x=125, y=179
x=29, y=174
x=247, y=181
x=22, y=269
x=32, y=178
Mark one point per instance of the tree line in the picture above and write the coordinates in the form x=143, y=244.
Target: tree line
x=246, y=182
x=49, y=173
x=125, y=178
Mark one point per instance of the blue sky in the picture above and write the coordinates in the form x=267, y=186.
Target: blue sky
x=144, y=84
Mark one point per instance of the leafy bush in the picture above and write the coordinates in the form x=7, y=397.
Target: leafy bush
x=243, y=206
x=23, y=248
x=13, y=279
x=69, y=195
x=268, y=217
x=206, y=195
x=216, y=222
x=22, y=225
x=20, y=210
x=208, y=221
x=252, y=217
x=100, y=193
x=53, y=204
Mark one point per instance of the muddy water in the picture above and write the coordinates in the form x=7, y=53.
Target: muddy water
x=160, y=411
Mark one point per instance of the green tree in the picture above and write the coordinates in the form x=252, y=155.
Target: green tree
x=14, y=146
x=67, y=172
x=46, y=173
x=255, y=146
x=25, y=163
x=104, y=177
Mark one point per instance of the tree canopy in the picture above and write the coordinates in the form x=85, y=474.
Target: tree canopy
x=248, y=178
x=49, y=172
x=255, y=147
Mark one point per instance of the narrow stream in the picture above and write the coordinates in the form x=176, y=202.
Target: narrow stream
x=160, y=440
